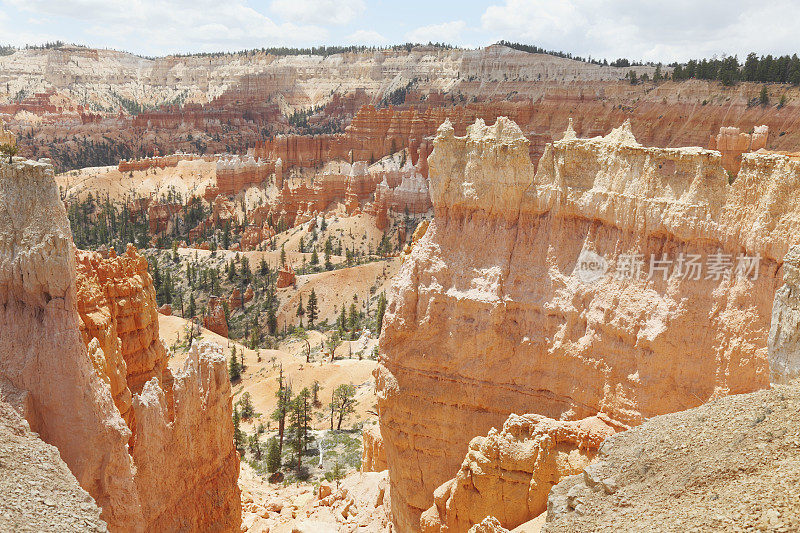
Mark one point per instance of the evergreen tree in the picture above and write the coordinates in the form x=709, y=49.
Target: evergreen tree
x=246, y=403
x=300, y=310
x=192, y=311
x=342, y=404
x=352, y=320
x=283, y=255
x=300, y=425
x=238, y=435
x=763, y=97
x=234, y=369
x=284, y=395
x=312, y=309
x=380, y=312
x=273, y=456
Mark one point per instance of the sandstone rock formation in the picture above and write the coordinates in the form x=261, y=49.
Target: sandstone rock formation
x=214, y=318
x=236, y=173
x=373, y=454
x=784, y=334
x=732, y=143
x=470, y=337
x=72, y=375
x=508, y=474
x=171, y=160
x=39, y=492
x=724, y=466
x=286, y=277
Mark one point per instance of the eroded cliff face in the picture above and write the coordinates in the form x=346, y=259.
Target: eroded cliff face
x=489, y=315
x=91, y=381
x=784, y=334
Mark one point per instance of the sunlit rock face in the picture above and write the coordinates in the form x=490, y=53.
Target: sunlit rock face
x=492, y=314
x=154, y=451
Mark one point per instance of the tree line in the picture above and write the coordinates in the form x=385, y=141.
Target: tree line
x=728, y=70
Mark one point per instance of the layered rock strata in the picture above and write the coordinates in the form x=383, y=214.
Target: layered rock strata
x=493, y=313
x=176, y=467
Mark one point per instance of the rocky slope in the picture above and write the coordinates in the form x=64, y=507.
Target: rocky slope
x=175, y=467
x=472, y=337
x=39, y=491
x=729, y=465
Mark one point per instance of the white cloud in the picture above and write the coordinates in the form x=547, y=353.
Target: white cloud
x=677, y=30
x=318, y=11
x=447, y=32
x=158, y=26
x=367, y=37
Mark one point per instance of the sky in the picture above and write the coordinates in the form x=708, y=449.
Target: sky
x=674, y=30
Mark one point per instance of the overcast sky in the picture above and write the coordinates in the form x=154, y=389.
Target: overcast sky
x=636, y=29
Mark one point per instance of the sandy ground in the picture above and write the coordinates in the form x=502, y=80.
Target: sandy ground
x=187, y=178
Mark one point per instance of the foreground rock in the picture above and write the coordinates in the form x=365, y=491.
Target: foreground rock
x=359, y=503
x=509, y=473
x=170, y=463
x=39, y=492
x=730, y=465
x=493, y=313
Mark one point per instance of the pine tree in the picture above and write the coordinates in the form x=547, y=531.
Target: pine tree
x=312, y=309
x=283, y=255
x=234, y=370
x=273, y=456
x=342, y=404
x=314, y=257
x=238, y=435
x=283, y=394
x=300, y=425
x=763, y=97
x=246, y=402
x=352, y=320
x=300, y=310
x=380, y=312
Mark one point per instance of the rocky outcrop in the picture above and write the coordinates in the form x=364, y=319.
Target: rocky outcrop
x=724, y=466
x=784, y=334
x=39, y=491
x=373, y=454
x=509, y=473
x=171, y=160
x=68, y=373
x=286, y=277
x=117, y=307
x=237, y=173
x=470, y=337
x=186, y=465
x=214, y=318
x=732, y=143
